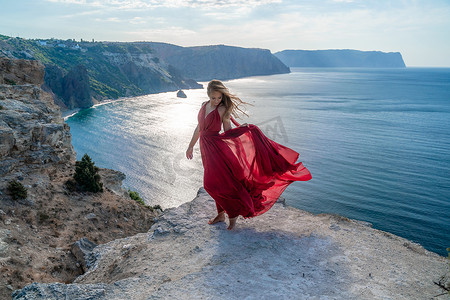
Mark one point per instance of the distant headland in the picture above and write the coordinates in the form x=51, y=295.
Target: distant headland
x=340, y=59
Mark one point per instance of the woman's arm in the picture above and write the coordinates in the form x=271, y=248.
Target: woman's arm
x=225, y=118
x=190, y=150
x=226, y=123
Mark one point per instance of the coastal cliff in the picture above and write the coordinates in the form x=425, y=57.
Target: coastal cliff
x=340, y=58
x=219, y=61
x=80, y=73
x=37, y=232
x=284, y=254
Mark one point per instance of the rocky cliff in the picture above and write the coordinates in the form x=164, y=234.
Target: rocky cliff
x=32, y=130
x=219, y=62
x=341, y=58
x=36, y=233
x=284, y=254
x=75, y=91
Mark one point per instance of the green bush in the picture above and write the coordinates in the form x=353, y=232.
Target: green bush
x=135, y=196
x=17, y=190
x=86, y=175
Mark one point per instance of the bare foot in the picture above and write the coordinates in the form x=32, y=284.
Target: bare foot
x=219, y=218
x=232, y=223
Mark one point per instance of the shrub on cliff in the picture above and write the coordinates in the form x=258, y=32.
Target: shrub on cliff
x=17, y=190
x=135, y=196
x=86, y=175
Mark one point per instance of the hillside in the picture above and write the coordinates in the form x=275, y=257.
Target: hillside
x=219, y=61
x=340, y=58
x=78, y=73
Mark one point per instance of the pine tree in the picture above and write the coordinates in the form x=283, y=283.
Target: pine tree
x=17, y=190
x=86, y=175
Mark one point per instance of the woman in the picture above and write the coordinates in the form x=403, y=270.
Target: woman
x=244, y=171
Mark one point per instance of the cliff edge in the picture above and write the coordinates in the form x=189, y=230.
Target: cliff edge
x=284, y=254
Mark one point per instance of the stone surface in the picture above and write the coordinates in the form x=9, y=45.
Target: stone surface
x=20, y=72
x=82, y=249
x=32, y=130
x=5, y=235
x=284, y=254
x=112, y=179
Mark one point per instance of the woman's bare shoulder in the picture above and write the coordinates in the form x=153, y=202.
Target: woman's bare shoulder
x=221, y=109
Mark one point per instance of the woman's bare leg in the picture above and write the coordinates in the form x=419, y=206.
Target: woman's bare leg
x=232, y=223
x=219, y=218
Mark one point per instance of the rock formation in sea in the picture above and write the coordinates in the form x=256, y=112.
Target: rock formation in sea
x=284, y=254
x=181, y=94
x=341, y=58
x=37, y=232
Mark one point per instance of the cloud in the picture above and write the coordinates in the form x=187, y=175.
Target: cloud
x=406, y=25
x=163, y=34
x=113, y=20
x=81, y=2
x=138, y=20
x=142, y=4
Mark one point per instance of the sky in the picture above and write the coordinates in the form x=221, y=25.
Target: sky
x=418, y=29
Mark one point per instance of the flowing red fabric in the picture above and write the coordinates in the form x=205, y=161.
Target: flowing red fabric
x=244, y=171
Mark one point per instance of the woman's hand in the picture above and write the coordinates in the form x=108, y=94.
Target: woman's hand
x=189, y=153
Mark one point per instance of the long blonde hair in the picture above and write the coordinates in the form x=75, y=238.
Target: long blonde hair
x=230, y=101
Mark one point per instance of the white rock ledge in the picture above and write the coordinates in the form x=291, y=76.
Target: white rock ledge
x=284, y=254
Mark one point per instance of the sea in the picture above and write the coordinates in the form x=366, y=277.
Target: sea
x=377, y=142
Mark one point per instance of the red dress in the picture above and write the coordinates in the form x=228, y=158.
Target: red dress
x=244, y=171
